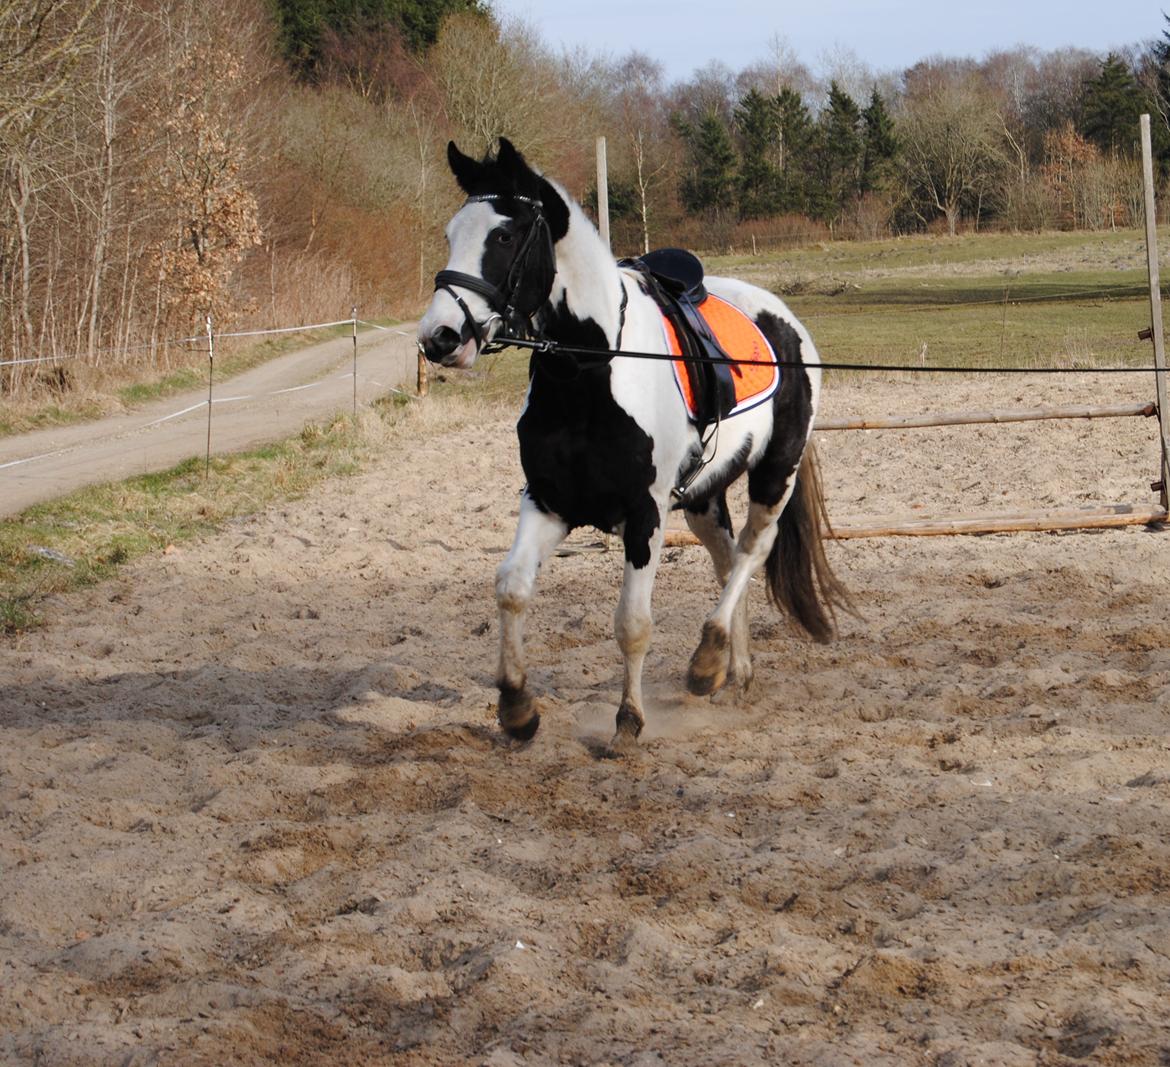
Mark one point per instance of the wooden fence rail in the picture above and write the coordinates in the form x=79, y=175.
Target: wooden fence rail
x=970, y=418
x=1083, y=518
x=1088, y=518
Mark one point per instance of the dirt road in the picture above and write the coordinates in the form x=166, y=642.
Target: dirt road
x=264, y=404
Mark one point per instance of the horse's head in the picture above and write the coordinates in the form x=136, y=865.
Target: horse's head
x=502, y=260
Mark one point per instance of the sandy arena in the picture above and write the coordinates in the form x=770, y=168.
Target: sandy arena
x=254, y=807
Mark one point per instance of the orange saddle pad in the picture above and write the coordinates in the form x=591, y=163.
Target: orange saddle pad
x=740, y=338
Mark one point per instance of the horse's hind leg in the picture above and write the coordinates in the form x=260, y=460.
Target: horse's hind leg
x=755, y=542
x=537, y=535
x=710, y=522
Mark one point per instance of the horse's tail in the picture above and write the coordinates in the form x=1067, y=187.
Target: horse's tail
x=800, y=579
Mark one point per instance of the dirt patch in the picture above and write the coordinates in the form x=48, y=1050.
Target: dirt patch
x=254, y=807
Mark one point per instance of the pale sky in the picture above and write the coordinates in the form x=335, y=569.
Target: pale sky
x=684, y=35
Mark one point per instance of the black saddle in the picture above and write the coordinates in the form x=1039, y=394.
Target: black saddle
x=674, y=278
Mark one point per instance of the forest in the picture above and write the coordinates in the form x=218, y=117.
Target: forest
x=272, y=162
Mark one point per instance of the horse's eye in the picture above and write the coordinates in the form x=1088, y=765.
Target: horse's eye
x=504, y=237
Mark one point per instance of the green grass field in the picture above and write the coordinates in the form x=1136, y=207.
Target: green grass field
x=1068, y=300
x=1064, y=300
x=1036, y=321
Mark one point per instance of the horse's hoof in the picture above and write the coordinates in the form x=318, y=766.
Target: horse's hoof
x=708, y=669
x=732, y=695
x=517, y=714
x=526, y=732
x=703, y=685
x=625, y=738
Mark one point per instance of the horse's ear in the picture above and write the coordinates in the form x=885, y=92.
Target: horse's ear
x=511, y=160
x=528, y=182
x=523, y=179
x=556, y=211
x=468, y=172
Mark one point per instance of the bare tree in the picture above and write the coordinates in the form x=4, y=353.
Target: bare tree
x=115, y=76
x=204, y=110
x=41, y=45
x=845, y=68
x=643, y=129
x=710, y=91
x=951, y=142
x=494, y=83
x=782, y=69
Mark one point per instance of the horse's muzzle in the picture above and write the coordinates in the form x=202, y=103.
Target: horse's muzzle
x=442, y=345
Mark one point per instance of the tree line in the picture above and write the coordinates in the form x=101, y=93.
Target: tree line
x=1022, y=140
x=273, y=161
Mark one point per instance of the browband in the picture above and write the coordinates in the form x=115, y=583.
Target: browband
x=484, y=198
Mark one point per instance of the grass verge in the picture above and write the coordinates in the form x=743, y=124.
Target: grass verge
x=83, y=538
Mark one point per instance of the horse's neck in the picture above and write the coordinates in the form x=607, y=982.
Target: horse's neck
x=587, y=290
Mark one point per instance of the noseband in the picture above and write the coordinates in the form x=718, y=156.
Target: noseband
x=501, y=301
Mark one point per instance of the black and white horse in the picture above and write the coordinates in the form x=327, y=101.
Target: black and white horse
x=604, y=441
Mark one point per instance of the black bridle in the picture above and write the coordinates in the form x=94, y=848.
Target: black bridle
x=503, y=300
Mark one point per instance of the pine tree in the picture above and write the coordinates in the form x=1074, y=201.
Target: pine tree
x=1160, y=53
x=1112, y=104
x=840, y=150
x=794, y=152
x=710, y=185
x=1157, y=87
x=305, y=23
x=757, y=119
x=880, y=145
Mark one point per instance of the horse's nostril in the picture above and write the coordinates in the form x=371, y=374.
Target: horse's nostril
x=441, y=343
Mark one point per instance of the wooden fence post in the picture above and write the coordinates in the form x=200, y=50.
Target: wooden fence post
x=424, y=383
x=1156, y=333
x=602, y=192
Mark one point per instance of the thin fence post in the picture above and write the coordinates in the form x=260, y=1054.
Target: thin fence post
x=210, y=376
x=1156, y=333
x=424, y=385
x=353, y=312
x=602, y=192
x=1003, y=323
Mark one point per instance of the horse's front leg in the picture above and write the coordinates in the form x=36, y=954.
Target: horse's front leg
x=537, y=535
x=634, y=622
